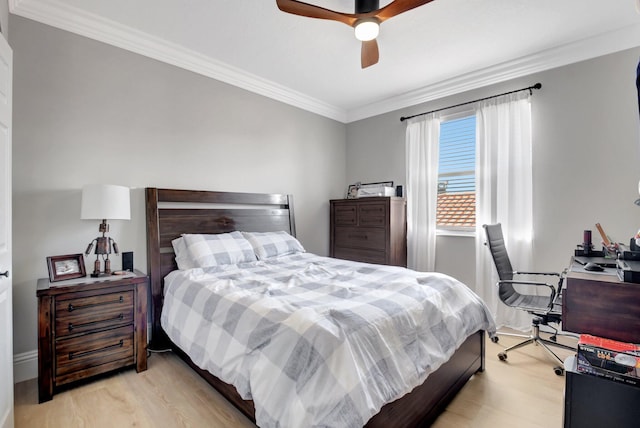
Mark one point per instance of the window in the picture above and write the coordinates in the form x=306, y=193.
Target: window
x=456, y=174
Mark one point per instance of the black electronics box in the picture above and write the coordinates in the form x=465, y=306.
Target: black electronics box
x=628, y=270
x=589, y=253
x=631, y=253
x=127, y=261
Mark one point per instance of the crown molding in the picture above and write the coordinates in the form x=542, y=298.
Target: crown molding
x=77, y=21
x=74, y=20
x=603, y=44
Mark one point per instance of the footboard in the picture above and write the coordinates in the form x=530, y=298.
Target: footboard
x=423, y=405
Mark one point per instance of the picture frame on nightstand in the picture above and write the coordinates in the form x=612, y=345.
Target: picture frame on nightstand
x=69, y=266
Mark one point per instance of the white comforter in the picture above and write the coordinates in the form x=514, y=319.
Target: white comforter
x=316, y=341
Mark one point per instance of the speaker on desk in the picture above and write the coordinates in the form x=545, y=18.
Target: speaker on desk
x=127, y=261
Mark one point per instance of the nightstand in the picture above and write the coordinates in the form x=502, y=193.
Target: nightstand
x=90, y=326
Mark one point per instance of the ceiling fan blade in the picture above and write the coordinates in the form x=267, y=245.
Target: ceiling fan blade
x=397, y=7
x=312, y=11
x=369, y=54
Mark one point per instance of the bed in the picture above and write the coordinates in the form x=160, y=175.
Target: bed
x=172, y=213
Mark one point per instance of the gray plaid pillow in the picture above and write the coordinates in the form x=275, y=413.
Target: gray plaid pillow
x=273, y=244
x=219, y=249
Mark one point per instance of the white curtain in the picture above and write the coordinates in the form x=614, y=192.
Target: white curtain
x=422, y=143
x=504, y=195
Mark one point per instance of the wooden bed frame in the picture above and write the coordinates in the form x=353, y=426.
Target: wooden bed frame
x=173, y=212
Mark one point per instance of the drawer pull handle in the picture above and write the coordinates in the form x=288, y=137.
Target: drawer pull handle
x=120, y=317
x=363, y=237
x=73, y=355
x=73, y=308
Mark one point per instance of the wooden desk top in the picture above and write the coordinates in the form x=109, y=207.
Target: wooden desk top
x=594, y=277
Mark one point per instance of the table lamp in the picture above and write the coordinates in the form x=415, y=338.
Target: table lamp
x=102, y=202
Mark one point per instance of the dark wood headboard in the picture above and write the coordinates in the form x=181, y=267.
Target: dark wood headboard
x=171, y=213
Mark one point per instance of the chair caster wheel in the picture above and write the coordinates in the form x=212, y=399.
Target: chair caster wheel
x=554, y=338
x=495, y=339
x=558, y=370
x=502, y=356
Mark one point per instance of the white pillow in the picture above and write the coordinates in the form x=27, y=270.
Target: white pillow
x=219, y=249
x=273, y=244
x=183, y=258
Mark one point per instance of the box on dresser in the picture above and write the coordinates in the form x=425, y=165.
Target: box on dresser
x=371, y=230
x=90, y=326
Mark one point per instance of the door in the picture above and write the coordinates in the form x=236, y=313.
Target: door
x=6, y=318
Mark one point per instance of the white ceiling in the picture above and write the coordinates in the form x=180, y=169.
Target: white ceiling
x=438, y=49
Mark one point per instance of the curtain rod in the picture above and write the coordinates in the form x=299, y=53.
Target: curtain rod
x=536, y=86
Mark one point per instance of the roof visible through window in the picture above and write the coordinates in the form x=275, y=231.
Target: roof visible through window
x=456, y=173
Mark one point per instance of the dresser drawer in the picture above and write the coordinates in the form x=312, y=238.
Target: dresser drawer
x=94, y=312
x=359, y=255
x=372, y=214
x=345, y=215
x=93, y=349
x=360, y=237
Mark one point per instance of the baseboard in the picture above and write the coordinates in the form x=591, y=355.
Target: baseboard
x=25, y=366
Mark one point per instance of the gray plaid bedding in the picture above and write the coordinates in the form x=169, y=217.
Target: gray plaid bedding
x=315, y=341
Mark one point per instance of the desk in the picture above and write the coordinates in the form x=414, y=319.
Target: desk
x=601, y=305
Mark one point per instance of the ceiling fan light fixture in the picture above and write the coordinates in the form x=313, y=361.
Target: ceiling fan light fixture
x=367, y=29
x=365, y=21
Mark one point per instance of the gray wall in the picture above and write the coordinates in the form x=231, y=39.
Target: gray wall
x=85, y=112
x=585, y=151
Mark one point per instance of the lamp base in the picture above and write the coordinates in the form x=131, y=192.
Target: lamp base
x=96, y=268
x=99, y=274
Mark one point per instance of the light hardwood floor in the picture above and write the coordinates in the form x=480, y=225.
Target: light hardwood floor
x=522, y=392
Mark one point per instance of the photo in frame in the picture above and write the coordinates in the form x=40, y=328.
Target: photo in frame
x=69, y=266
x=352, y=190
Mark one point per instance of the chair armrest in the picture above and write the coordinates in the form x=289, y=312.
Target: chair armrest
x=552, y=296
x=560, y=275
x=537, y=273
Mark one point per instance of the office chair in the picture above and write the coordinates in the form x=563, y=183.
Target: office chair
x=545, y=309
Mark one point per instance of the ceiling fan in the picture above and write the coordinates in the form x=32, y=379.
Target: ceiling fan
x=366, y=20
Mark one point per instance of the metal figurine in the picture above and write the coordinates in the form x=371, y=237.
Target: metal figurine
x=104, y=246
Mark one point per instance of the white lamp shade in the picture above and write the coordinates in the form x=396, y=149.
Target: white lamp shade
x=105, y=201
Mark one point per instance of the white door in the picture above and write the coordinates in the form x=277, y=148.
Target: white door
x=6, y=319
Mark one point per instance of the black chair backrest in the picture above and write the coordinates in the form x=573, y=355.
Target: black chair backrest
x=495, y=241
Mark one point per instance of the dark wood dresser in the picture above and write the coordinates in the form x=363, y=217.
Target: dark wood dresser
x=90, y=326
x=371, y=230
